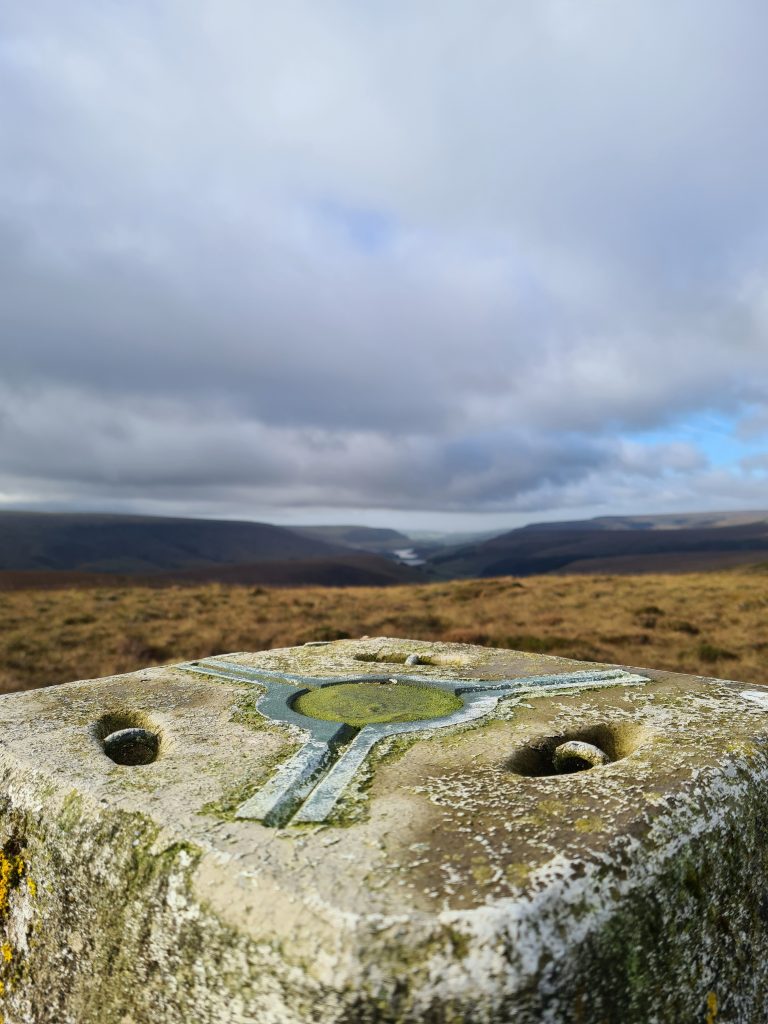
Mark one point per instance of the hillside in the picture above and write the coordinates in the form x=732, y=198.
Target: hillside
x=607, y=546
x=43, y=550
x=353, y=569
x=160, y=548
x=144, y=544
x=664, y=521
x=366, y=538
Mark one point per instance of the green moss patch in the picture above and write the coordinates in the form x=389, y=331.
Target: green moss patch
x=360, y=704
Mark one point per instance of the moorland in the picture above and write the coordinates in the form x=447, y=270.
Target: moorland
x=713, y=623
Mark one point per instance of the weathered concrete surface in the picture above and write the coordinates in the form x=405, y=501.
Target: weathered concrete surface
x=450, y=883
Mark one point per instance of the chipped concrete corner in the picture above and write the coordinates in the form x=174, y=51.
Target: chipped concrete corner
x=385, y=831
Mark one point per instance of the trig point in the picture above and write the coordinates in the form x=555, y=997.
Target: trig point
x=385, y=831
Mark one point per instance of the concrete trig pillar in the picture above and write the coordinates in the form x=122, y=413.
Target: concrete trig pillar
x=385, y=831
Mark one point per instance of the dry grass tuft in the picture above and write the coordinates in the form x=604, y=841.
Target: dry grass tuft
x=708, y=623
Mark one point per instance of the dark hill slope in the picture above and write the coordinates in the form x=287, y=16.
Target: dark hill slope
x=145, y=544
x=568, y=547
x=665, y=521
x=353, y=569
x=367, y=538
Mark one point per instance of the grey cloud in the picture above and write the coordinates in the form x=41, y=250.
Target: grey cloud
x=115, y=449
x=316, y=256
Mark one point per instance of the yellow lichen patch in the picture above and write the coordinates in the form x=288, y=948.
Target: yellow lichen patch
x=653, y=797
x=32, y=886
x=7, y=952
x=517, y=874
x=589, y=824
x=11, y=871
x=551, y=806
x=481, y=870
x=712, y=1007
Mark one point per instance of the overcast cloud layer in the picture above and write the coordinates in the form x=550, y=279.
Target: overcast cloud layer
x=298, y=260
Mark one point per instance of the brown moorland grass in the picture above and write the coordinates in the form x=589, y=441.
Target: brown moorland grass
x=705, y=623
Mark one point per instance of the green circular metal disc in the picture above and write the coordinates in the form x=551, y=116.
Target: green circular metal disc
x=362, y=704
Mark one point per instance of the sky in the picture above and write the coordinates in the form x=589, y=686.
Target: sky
x=427, y=264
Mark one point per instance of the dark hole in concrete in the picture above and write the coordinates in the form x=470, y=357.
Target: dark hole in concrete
x=577, y=751
x=408, y=658
x=573, y=765
x=132, y=746
x=127, y=736
x=397, y=658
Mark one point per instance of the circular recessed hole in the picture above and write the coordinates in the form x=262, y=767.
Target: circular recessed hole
x=127, y=737
x=132, y=746
x=376, y=702
x=413, y=658
x=397, y=658
x=577, y=751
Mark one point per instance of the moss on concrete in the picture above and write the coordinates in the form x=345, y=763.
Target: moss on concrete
x=111, y=930
x=360, y=704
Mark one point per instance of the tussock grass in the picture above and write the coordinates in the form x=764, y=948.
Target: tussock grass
x=708, y=623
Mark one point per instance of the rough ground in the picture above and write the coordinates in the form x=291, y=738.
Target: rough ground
x=708, y=623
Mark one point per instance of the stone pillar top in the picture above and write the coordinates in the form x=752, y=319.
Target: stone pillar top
x=348, y=813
